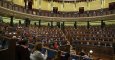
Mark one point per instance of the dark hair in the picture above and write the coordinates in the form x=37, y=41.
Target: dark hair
x=38, y=46
x=58, y=55
x=23, y=42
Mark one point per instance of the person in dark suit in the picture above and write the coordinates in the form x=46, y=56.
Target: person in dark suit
x=65, y=56
x=81, y=53
x=30, y=3
x=22, y=52
x=25, y=2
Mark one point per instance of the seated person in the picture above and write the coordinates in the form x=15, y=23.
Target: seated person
x=37, y=54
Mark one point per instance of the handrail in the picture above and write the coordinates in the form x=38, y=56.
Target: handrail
x=20, y=12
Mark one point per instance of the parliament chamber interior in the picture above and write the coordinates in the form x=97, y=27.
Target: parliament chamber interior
x=57, y=29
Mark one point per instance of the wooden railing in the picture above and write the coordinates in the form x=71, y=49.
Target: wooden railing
x=53, y=53
x=9, y=52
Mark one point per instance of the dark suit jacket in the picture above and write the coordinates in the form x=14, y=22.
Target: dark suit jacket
x=22, y=53
x=25, y=0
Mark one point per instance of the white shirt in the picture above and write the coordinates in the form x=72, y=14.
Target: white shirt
x=37, y=55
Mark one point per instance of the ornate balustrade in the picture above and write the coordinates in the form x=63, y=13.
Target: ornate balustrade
x=70, y=0
x=8, y=8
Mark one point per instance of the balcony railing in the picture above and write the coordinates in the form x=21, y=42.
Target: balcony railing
x=76, y=14
x=10, y=9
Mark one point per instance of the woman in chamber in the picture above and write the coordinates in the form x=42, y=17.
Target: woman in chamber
x=36, y=53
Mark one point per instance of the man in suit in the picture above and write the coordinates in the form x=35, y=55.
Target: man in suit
x=30, y=3
x=25, y=2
